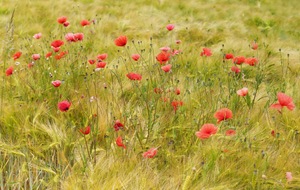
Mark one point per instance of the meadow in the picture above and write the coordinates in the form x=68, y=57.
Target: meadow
x=120, y=94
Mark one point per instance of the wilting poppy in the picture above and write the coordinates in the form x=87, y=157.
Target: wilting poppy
x=223, y=114
x=150, y=153
x=85, y=22
x=242, y=92
x=118, y=125
x=37, y=36
x=163, y=57
x=166, y=68
x=102, y=56
x=119, y=142
x=230, y=132
x=56, y=83
x=86, y=130
x=206, y=131
x=283, y=101
x=17, y=55
x=64, y=105
x=62, y=19
x=158, y=90
x=121, y=41
x=66, y=24
x=206, y=52
x=135, y=57
x=134, y=76
x=9, y=71
x=170, y=27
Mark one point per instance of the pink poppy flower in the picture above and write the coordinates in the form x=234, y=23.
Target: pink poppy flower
x=170, y=27
x=150, y=153
x=79, y=36
x=64, y=105
x=135, y=57
x=289, y=176
x=206, y=52
x=37, y=36
x=134, y=76
x=166, y=68
x=86, y=130
x=223, y=114
x=235, y=69
x=56, y=83
x=242, y=92
x=283, y=101
x=230, y=132
x=36, y=56
x=165, y=49
x=254, y=46
x=206, y=131
x=70, y=37
x=119, y=142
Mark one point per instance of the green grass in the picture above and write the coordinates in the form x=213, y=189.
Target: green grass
x=42, y=148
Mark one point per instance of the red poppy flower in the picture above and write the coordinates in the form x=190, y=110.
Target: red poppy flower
x=62, y=19
x=79, y=36
x=135, y=57
x=119, y=142
x=36, y=56
x=238, y=60
x=150, y=153
x=61, y=55
x=273, y=133
x=48, y=54
x=230, y=132
x=9, y=71
x=170, y=27
x=57, y=43
x=254, y=46
x=251, y=61
x=56, y=83
x=86, y=130
x=228, y=56
x=56, y=49
x=17, y=55
x=102, y=56
x=206, y=131
x=101, y=65
x=177, y=91
x=134, y=76
x=30, y=65
x=283, y=101
x=166, y=68
x=91, y=61
x=242, y=92
x=121, y=41
x=66, y=24
x=64, y=106
x=37, y=36
x=176, y=104
x=223, y=114
x=84, y=23
x=206, y=52
x=235, y=69
x=118, y=125
x=163, y=57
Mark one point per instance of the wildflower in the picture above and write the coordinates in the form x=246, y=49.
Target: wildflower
x=206, y=131
x=165, y=49
x=61, y=55
x=230, y=132
x=178, y=41
x=134, y=76
x=30, y=64
x=84, y=23
x=150, y=153
x=56, y=83
x=254, y=46
x=170, y=27
x=158, y=90
x=252, y=61
x=177, y=91
x=238, y=60
x=223, y=114
x=235, y=69
x=176, y=104
x=166, y=68
x=48, y=54
x=121, y=41
x=206, y=52
x=17, y=55
x=228, y=56
x=119, y=142
x=283, y=101
x=66, y=24
x=118, y=125
x=62, y=19
x=163, y=57
x=86, y=130
x=37, y=36
x=135, y=57
x=101, y=65
x=56, y=49
x=242, y=92
x=9, y=71
x=70, y=37
x=273, y=133
x=289, y=176
x=36, y=56
x=91, y=61
x=79, y=36
x=64, y=106
x=57, y=43
x=102, y=56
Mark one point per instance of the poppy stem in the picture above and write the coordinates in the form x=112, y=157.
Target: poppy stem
x=87, y=148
